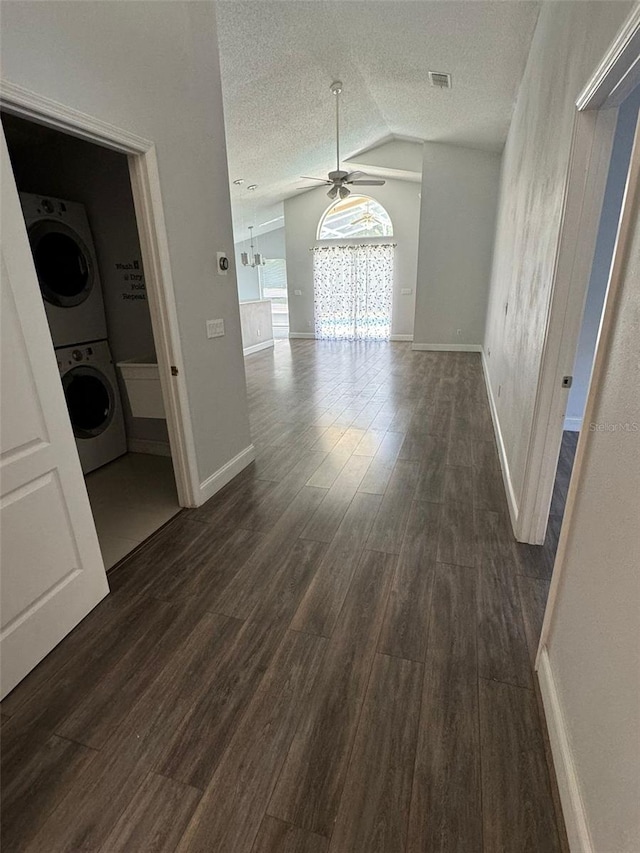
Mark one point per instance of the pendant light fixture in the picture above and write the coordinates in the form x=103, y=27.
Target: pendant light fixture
x=254, y=259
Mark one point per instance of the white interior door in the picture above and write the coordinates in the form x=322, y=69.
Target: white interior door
x=51, y=569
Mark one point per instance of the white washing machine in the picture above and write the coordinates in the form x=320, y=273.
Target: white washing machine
x=91, y=391
x=65, y=261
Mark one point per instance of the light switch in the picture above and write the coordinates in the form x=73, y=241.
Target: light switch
x=215, y=328
x=297, y=293
x=406, y=291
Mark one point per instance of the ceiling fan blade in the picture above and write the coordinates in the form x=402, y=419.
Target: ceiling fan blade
x=322, y=180
x=353, y=176
x=368, y=182
x=308, y=187
x=366, y=218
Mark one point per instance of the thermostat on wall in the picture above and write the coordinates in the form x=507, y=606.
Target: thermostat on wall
x=223, y=263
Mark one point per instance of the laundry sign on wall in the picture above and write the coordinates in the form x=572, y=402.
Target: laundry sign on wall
x=133, y=286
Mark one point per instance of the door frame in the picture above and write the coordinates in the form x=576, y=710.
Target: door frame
x=145, y=185
x=566, y=772
x=594, y=128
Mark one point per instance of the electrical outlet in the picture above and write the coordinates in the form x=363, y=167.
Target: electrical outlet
x=215, y=328
x=459, y=332
x=309, y=323
x=258, y=333
x=406, y=291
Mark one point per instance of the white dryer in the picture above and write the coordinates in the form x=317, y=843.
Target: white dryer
x=67, y=268
x=91, y=391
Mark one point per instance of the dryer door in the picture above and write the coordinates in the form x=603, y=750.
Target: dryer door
x=90, y=399
x=63, y=262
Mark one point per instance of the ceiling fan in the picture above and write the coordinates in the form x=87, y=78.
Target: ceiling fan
x=338, y=180
x=367, y=219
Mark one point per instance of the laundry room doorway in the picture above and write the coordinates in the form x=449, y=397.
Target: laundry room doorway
x=78, y=205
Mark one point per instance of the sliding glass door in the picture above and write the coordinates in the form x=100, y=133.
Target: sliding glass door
x=353, y=286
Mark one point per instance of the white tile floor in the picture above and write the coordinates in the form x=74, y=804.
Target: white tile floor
x=131, y=497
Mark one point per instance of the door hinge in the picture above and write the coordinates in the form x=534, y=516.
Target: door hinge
x=567, y=381
x=174, y=370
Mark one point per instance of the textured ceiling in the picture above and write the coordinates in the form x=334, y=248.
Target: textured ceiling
x=278, y=60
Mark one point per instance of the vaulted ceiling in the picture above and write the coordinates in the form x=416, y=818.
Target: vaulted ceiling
x=279, y=57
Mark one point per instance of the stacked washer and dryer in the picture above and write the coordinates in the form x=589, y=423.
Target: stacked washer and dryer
x=65, y=261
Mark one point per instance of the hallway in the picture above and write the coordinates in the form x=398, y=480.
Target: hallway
x=333, y=655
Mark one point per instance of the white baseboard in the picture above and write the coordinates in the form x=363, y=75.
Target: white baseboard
x=447, y=347
x=223, y=475
x=573, y=424
x=153, y=448
x=401, y=338
x=302, y=334
x=572, y=806
x=258, y=347
x=502, y=452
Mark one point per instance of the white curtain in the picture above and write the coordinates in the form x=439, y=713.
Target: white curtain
x=353, y=286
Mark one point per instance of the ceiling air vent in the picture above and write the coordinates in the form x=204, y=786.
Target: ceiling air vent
x=440, y=80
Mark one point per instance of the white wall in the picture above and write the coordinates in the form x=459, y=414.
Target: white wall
x=271, y=245
x=50, y=163
x=301, y=217
x=247, y=278
x=594, y=641
x=152, y=68
x=569, y=41
x=605, y=242
x=257, y=328
x=457, y=226
x=398, y=158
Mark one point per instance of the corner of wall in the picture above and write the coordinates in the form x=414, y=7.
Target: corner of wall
x=512, y=501
x=456, y=238
x=224, y=475
x=572, y=806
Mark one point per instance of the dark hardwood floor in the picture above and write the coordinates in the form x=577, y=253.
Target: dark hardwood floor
x=333, y=655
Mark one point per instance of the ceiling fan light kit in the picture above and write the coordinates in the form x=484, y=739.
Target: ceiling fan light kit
x=338, y=180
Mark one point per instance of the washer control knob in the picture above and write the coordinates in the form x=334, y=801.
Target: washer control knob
x=47, y=206
x=76, y=355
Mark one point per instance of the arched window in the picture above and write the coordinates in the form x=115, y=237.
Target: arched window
x=355, y=216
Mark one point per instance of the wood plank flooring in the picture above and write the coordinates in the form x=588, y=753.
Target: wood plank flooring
x=333, y=655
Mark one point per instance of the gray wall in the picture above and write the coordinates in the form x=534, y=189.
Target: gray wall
x=271, y=245
x=457, y=226
x=248, y=283
x=569, y=41
x=301, y=217
x=153, y=69
x=255, y=318
x=50, y=163
x=608, y=228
